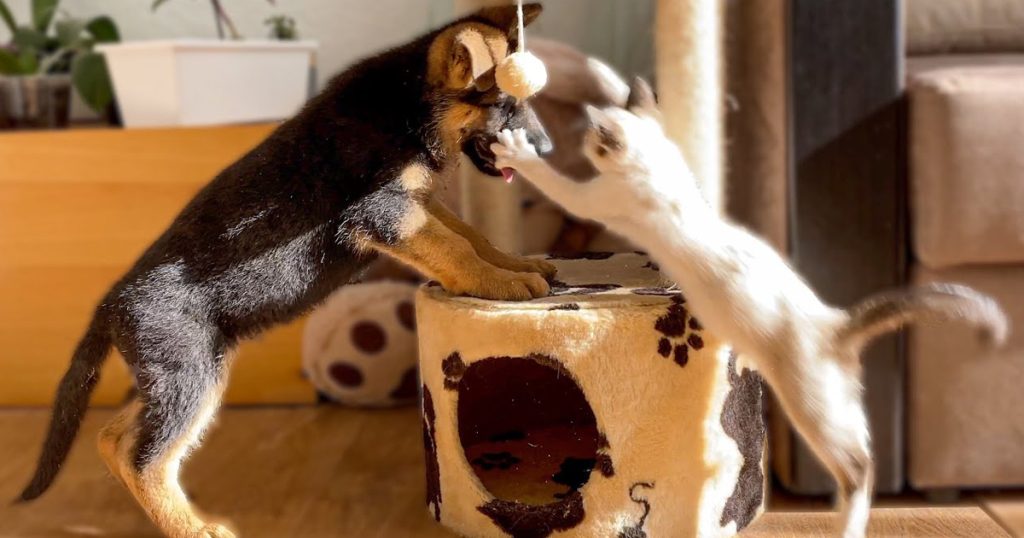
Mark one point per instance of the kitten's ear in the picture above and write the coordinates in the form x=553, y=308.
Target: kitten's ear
x=609, y=82
x=609, y=135
x=596, y=117
x=642, y=100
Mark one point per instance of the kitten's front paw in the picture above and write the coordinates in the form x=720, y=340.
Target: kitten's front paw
x=514, y=150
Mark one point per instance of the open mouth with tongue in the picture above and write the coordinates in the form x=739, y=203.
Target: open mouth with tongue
x=478, y=149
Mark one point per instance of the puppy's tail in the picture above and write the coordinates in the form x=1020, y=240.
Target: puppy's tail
x=888, y=311
x=69, y=407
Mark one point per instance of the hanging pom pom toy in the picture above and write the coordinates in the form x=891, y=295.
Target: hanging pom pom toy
x=521, y=74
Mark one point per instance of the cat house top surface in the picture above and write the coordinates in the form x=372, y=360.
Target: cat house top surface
x=604, y=409
x=594, y=279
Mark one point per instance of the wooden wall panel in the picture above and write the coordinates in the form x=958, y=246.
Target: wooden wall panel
x=76, y=209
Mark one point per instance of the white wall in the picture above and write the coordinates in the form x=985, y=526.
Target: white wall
x=347, y=30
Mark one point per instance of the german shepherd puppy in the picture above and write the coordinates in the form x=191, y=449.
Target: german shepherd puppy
x=350, y=176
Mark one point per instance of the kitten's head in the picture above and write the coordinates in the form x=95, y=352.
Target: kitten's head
x=618, y=137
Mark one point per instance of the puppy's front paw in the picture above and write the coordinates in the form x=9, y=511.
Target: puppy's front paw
x=533, y=265
x=504, y=285
x=514, y=150
x=216, y=530
x=211, y=530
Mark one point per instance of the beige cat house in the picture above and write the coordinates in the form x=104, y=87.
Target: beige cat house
x=602, y=410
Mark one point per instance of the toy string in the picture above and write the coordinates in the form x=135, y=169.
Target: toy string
x=522, y=30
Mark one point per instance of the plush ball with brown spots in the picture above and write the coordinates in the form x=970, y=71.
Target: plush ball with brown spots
x=359, y=347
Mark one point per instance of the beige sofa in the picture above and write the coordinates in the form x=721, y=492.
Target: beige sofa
x=965, y=79
x=923, y=102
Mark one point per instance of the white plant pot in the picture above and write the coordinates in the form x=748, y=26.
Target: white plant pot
x=207, y=82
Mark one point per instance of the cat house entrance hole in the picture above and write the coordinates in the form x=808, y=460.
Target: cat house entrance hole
x=526, y=429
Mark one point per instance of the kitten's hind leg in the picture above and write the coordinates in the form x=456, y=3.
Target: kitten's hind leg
x=823, y=402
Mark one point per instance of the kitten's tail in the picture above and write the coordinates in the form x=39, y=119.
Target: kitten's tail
x=890, y=310
x=69, y=407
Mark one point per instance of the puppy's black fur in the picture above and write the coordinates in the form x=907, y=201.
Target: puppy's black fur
x=267, y=239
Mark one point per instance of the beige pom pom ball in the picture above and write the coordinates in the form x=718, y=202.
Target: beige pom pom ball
x=521, y=75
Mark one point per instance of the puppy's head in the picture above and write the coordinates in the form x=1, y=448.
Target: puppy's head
x=461, y=66
x=618, y=137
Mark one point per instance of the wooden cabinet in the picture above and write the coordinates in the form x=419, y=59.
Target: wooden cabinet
x=76, y=208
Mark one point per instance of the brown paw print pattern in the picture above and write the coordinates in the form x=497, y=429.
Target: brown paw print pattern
x=454, y=368
x=604, y=458
x=406, y=389
x=582, y=256
x=561, y=288
x=430, y=447
x=357, y=371
x=368, y=338
x=680, y=331
x=637, y=531
x=743, y=420
x=520, y=520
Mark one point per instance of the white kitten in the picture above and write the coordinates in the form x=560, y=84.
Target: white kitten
x=741, y=289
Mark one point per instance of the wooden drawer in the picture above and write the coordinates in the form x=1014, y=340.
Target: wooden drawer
x=76, y=209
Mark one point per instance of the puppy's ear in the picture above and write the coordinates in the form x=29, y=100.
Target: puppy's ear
x=642, y=100
x=485, y=82
x=469, y=60
x=506, y=18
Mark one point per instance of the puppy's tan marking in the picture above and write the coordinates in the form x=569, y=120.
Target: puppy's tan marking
x=416, y=178
x=412, y=221
x=443, y=255
x=456, y=121
x=484, y=248
x=157, y=486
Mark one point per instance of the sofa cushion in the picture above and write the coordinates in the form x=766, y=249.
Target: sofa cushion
x=967, y=165
x=964, y=425
x=920, y=64
x=941, y=26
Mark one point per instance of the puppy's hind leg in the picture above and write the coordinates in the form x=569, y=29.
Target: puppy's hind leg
x=145, y=445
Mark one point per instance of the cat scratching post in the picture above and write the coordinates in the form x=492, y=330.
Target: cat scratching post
x=602, y=410
x=688, y=52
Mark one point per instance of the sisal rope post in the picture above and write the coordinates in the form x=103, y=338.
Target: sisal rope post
x=688, y=52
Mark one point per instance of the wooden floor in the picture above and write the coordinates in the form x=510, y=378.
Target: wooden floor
x=320, y=471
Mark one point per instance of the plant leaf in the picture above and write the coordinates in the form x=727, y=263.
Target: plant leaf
x=104, y=30
x=158, y=3
x=69, y=32
x=9, y=64
x=29, y=62
x=28, y=38
x=92, y=80
x=43, y=12
x=5, y=14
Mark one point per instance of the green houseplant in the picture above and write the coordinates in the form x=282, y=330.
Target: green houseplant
x=282, y=27
x=48, y=55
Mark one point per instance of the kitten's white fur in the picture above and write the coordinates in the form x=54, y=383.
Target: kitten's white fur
x=741, y=289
